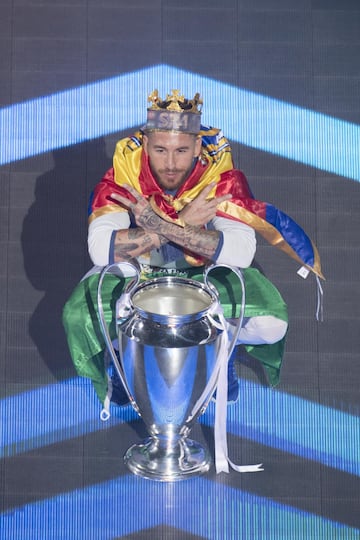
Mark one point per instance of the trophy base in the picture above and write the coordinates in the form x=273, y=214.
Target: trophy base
x=182, y=460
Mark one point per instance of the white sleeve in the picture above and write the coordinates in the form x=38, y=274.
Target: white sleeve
x=100, y=232
x=239, y=242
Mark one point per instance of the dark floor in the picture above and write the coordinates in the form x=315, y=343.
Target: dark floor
x=63, y=470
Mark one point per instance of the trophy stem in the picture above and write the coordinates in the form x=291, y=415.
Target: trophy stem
x=168, y=458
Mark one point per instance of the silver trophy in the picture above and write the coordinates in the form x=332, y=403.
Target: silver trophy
x=170, y=341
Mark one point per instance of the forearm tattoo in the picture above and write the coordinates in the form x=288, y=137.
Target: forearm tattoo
x=131, y=243
x=196, y=239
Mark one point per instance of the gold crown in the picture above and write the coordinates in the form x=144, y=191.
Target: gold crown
x=175, y=102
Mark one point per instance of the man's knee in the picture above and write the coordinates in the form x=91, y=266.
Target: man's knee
x=268, y=329
x=261, y=330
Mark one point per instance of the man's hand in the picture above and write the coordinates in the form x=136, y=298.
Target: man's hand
x=133, y=242
x=200, y=211
x=136, y=207
x=197, y=213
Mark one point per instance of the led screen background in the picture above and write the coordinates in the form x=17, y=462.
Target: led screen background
x=282, y=78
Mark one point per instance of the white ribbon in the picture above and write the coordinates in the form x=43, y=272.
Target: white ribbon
x=222, y=460
x=319, y=306
x=105, y=411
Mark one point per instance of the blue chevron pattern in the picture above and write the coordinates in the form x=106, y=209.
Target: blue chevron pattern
x=255, y=120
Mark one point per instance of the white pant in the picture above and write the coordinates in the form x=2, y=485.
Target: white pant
x=261, y=330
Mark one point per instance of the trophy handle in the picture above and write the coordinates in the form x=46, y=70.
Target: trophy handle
x=226, y=348
x=123, y=311
x=239, y=274
x=222, y=461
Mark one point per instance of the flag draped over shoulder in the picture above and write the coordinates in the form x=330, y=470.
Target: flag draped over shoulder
x=131, y=167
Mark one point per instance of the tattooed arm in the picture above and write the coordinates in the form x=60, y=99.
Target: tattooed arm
x=194, y=238
x=155, y=231
x=130, y=243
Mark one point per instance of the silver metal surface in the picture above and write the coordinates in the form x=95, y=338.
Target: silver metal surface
x=169, y=364
x=168, y=348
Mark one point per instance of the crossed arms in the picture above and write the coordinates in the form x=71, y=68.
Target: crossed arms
x=152, y=231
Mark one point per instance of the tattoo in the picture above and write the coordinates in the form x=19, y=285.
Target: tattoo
x=121, y=256
x=130, y=243
x=201, y=241
x=163, y=240
x=126, y=247
x=198, y=240
x=149, y=220
x=135, y=233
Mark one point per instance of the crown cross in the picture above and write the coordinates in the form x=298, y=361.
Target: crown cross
x=154, y=98
x=175, y=99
